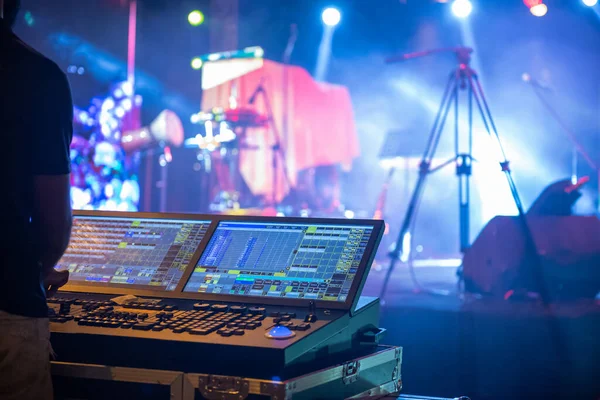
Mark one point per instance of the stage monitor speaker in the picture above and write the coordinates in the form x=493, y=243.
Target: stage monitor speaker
x=569, y=248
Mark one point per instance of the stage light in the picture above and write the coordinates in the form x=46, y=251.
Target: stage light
x=331, y=16
x=195, y=18
x=127, y=104
x=590, y=3
x=108, y=104
x=29, y=20
x=540, y=10
x=127, y=88
x=196, y=63
x=462, y=8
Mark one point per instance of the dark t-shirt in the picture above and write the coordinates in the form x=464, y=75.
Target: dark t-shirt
x=36, y=128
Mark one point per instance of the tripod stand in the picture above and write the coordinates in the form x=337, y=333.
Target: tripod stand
x=460, y=79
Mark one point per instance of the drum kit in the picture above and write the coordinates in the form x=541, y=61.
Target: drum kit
x=106, y=153
x=224, y=134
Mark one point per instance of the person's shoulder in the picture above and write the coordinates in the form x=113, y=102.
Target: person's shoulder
x=39, y=64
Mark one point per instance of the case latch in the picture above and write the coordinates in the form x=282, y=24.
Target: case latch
x=350, y=372
x=223, y=387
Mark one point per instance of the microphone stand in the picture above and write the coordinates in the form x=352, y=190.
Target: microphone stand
x=577, y=147
x=462, y=78
x=277, y=149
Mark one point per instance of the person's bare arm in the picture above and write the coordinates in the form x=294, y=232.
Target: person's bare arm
x=52, y=217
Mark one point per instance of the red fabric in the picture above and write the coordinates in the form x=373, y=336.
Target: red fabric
x=321, y=129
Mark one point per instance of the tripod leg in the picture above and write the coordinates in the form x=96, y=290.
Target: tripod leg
x=463, y=171
x=536, y=268
x=432, y=143
x=530, y=246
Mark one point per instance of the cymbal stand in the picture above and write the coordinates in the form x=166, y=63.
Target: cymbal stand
x=462, y=78
x=577, y=146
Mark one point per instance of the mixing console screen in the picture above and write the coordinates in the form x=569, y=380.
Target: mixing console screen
x=144, y=253
x=311, y=261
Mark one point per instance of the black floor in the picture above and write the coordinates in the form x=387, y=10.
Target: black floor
x=488, y=349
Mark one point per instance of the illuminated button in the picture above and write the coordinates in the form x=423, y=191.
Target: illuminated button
x=303, y=327
x=199, y=331
x=65, y=308
x=237, y=309
x=279, y=333
x=143, y=326
x=201, y=306
x=219, y=307
x=256, y=310
x=310, y=318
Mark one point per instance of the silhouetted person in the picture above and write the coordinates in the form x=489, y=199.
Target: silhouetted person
x=35, y=210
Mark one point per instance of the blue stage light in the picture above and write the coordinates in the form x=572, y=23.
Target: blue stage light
x=331, y=16
x=462, y=8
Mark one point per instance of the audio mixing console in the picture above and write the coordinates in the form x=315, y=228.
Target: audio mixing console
x=213, y=294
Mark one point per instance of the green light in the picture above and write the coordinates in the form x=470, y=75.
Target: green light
x=29, y=20
x=195, y=18
x=196, y=63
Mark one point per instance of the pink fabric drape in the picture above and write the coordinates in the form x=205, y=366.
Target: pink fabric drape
x=321, y=129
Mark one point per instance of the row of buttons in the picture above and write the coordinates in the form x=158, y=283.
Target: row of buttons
x=206, y=318
x=295, y=327
x=150, y=306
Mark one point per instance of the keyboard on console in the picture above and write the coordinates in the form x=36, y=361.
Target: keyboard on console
x=203, y=319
